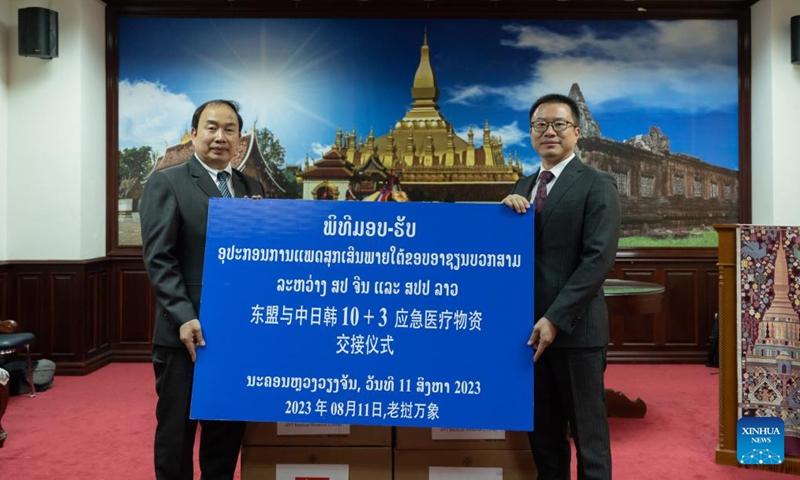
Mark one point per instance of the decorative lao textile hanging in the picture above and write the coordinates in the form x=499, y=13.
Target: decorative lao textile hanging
x=769, y=326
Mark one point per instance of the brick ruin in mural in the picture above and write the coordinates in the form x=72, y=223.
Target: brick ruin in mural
x=662, y=194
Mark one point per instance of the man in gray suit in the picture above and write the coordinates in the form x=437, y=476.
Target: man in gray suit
x=577, y=219
x=174, y=210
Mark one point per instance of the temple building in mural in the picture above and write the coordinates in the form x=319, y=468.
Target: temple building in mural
x=772, y=361
x=422, y=153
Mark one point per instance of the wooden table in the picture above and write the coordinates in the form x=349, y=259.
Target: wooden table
x=630, y=297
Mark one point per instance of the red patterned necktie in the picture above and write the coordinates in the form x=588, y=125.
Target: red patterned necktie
x=545, y=177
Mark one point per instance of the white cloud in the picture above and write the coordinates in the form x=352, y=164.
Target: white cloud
x=642, y=84
x=541, y=39
x=463, y=95
x=681, y=42
x=678, y=65
x=151, y=115
x=320, y=149
x=510, y=134
x=530, y=165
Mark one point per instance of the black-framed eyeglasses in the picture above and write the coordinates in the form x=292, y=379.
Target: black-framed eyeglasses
x=541, y=126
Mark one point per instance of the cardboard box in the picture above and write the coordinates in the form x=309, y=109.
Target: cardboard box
x=466, y=464
x=290, y=463
x=316, y=434
x=410, y=438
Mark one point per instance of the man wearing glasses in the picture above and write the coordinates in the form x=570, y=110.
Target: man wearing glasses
x=577, y=215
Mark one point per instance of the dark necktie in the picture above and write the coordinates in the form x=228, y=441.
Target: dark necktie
x=222, y=184
x=545, y=177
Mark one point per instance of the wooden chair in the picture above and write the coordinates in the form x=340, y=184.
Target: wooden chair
x=11, y=341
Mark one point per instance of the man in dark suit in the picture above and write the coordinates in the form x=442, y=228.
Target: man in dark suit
x=577, y=219
x=174, y=210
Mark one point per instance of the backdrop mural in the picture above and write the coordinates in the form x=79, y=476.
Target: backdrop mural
x=436, y=110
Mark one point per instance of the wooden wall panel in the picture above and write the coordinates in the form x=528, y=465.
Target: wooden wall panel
x=680, y=303
x=134, y=311
x=639, y=329
x=707, y=282
x=680, y=332
x=65, y=307
x=63, y=317
x=31, y=303
x=104, y=313
x=134, y=308
x=86, y=314
x=5, y=292
x=708, y=311
x=92, y=303
x=97, y=336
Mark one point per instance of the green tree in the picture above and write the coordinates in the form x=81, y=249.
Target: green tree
x=271, y=148
x=275, y=155
x=135, y=163
x=289, y=184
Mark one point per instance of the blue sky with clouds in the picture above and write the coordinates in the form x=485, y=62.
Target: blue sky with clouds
x=304, y=78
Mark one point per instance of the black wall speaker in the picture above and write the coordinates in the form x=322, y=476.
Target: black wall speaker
x=38, y=32
x=796, y=40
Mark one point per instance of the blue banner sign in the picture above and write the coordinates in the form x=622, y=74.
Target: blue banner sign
x=402, y=314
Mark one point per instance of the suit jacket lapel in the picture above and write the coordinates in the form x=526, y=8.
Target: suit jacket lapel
x=526, y=186
x=568, y=176
x=202, y=178
x=239, y=188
